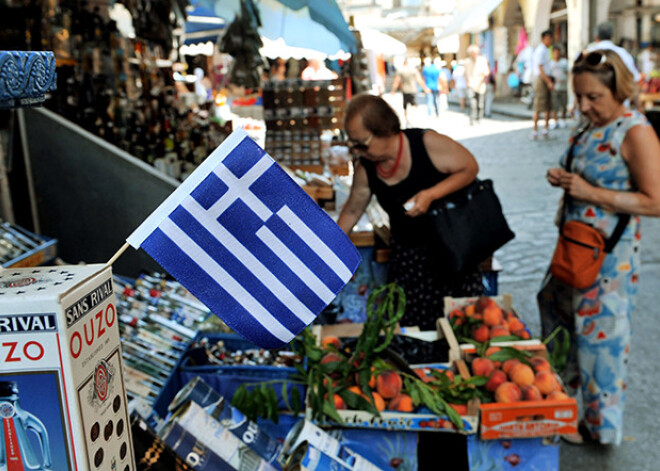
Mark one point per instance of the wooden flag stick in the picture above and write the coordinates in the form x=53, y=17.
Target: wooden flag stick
x=118, y=254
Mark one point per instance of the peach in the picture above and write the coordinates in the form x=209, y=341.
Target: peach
x=461, y=409
x=379, y=402
x=485, y=302
x=522, y=374
x=496, y=378
x=515, y=324
x=491, y=350
x=372, y=378
x=493, y=315
x=401, y=403
x=540, y=364
x=339, y=402
x=508, y=392
x=546, y=382
x=531, y=393
x=499, y=331
x=456, y=316
x=482, y=367
x=330, y=358
x=388, y=384
x=469, y=310
x=331, y=340
x=481, y=333
x=522, y=333
x=508, y=364
x=555, y=395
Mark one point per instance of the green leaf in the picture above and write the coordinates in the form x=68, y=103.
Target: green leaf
x=285, y=395
x=330, y=410
x=296, y=402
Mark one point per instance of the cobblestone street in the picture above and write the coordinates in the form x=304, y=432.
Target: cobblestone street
x=517, y=165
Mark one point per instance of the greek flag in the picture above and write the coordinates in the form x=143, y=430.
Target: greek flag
x=249, y=243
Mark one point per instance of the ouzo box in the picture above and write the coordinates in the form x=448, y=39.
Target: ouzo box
x=61, y=368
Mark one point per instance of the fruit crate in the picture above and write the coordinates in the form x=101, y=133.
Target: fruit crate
x=505, y=302
x=423, y=420
x=527, y=418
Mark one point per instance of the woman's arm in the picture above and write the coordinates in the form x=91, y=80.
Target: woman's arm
x=449, y=157
x=641, y=150
x=357, y=201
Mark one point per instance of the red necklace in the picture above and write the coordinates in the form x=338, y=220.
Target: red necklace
x=388, y=173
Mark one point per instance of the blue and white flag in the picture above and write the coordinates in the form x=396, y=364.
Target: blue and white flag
x=249, y=243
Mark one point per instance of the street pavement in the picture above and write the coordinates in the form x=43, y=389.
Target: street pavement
x=517, y=165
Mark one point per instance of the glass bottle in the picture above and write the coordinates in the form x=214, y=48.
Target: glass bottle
x=16, y=452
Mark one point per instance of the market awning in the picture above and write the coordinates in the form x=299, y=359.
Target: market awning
x=471, y=17
x=382, y=43
x=317, y=25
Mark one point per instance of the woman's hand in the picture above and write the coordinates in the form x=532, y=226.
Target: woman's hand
x=575, y=185
x=422, y=202
x=553, y=175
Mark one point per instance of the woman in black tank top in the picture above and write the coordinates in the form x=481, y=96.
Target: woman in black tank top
x=407, y=170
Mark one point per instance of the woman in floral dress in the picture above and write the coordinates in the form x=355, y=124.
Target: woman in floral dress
x=615, y=170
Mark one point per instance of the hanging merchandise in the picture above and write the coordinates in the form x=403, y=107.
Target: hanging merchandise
x=242, y=42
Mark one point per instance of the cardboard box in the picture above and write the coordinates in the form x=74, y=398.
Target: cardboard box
x=505, y=301
x=391, y=420
x=528, y=419
x=62, y=368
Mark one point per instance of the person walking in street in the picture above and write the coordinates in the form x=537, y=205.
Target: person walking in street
x=407, y=170
x=559, y=72
x=542, y=84
x=603, y=40
x=476, y=73
x=407, y=79
x=460, y=86
x=615, y=171
x=431, y=75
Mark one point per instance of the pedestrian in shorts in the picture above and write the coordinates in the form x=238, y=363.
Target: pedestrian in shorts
x=543, y=83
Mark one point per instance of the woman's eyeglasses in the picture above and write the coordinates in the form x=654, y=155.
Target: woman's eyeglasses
x=363, y=145
x=592, y=59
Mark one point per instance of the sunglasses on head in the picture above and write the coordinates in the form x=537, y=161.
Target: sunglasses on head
x=363, y=145
x=592, y=59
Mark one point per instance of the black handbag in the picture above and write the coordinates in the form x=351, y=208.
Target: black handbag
x=468, y=226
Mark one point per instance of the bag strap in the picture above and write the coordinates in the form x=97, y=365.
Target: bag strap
x=623, y=219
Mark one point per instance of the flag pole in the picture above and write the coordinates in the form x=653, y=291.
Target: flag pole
x=118, y=254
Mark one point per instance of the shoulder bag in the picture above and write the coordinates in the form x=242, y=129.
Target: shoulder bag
x=468, y=226
x=581, y=248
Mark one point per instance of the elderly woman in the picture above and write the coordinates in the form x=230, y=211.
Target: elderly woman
x=615, y=171
x=408, y=168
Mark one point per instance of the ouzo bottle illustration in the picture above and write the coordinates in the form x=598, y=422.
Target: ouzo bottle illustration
x=16, y=449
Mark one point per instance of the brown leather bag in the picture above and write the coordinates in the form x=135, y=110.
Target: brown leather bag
x=581, y=248
x=579, y=255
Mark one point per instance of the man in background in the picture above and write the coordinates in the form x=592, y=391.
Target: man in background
x=476, y=73
x=407, y=79
x=431, y=75
x=603, y=40
x=543, y=84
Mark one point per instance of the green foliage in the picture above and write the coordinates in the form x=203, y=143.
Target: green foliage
x=561, y=345
x=385, y=307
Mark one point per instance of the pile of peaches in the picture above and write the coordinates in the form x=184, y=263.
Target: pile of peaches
x=486, y=320
x=385, y=385
x=514, y=380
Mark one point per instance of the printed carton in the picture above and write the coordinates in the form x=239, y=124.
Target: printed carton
x=61, y=365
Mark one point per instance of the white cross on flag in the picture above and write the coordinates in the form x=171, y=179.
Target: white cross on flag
x=249, y=243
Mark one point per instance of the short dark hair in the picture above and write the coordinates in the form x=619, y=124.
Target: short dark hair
x=605, y=31
x=545, y=33
x=377, y=115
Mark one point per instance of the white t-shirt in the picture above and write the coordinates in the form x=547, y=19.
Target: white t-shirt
x=623, y=54
x=559, y=70
x=541, y=57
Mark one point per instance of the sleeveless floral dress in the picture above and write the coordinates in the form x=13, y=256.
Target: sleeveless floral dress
x=599, y=317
